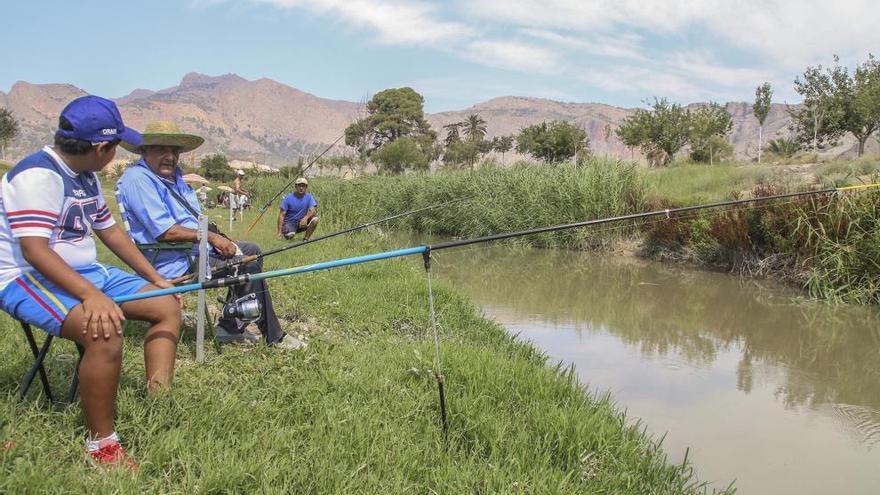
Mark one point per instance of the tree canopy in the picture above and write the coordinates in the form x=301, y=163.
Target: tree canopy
x=761, y=108
x=659, y=132
x=393, y=114
x=8, y=129
x=401, y=154
x=837, y=102
x=553, y=142
x=710, y=124
x=474, y=127
x=216, y=167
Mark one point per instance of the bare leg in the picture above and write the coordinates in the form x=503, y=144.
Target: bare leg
x=98, y=373
x=313, y=224
x=160, y=341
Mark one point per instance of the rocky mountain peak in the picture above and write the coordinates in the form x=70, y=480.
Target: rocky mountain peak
x=203, y=81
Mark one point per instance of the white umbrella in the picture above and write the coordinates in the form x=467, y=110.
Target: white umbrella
x=194, y=178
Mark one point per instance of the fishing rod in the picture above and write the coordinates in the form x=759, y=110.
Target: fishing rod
x=426, y=250
x=247, y=259
x=298, y=174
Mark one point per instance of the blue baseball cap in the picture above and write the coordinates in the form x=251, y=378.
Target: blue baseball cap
x=96, y=120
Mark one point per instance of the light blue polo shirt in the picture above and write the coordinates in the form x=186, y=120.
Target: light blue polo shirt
x=151, y=210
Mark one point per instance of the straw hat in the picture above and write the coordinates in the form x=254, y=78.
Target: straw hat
x=166, y=133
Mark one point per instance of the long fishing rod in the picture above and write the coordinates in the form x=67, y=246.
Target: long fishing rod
x=247, y=259
x=298, y=174
x=427, y=249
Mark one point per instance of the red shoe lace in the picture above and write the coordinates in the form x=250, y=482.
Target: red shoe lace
x=112, y=454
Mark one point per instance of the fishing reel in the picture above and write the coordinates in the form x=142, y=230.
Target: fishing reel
x=245, y=308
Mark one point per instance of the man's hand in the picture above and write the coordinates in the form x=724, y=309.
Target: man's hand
x=166, y=284
x=303, y=222
x=102, y=316
x=224, y=246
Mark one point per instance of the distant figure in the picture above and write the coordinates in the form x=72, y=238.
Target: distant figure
x=203, y=194
x=298, y=212
x=238, y=193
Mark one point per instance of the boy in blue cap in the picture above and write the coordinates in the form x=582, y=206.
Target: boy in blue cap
x=50, y=203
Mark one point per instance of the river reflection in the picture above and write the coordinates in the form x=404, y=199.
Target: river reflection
x=778, y=393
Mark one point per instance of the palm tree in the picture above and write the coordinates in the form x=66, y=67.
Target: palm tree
x=452, y=132
x=474, y=127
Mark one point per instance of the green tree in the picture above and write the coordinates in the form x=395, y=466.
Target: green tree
x=216, y=167
x=465, y=152
x=391, y=114
x=862, y=113
x=401, y=154
x=659, y=132
x=553, y=142
x=813, y=123
x=474, y=127
x=453, y=132
x=761, y=108
x=8, y=129
x=708, y=124
x=837, y=102
x=502, y=144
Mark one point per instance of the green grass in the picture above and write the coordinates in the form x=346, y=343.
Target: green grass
x=499, y=199
x=354, y=413
x=846, y=172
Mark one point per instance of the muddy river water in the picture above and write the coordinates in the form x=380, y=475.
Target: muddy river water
x=764, y=387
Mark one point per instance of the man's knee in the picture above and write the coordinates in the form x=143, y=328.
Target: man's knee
x=108, y=350
x=168, y=310
x=249, y=248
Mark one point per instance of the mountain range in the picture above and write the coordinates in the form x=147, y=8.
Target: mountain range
x=266, y=121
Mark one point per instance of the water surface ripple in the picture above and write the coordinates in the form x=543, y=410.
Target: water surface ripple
x=765, y=388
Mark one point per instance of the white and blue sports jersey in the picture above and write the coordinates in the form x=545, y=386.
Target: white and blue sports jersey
x=42, y=197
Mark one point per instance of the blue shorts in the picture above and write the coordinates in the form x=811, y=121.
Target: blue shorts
x=34, y=300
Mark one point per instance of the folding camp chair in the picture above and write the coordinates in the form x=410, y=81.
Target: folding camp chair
x=38, y=368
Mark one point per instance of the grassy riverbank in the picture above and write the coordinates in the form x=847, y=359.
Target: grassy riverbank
x=826, y=245
x=356, y=412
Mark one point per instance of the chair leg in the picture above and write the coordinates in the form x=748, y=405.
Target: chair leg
x=37, y=366
x=74, y=383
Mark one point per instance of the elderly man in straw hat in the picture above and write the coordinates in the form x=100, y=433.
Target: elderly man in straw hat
x=161, y=208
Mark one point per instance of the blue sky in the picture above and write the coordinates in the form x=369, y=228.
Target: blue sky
x=456, y=53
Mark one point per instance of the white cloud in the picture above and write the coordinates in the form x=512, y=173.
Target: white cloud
x=684, y=49
x=792, y=33
x=511, y=55
x=396, y=22
x=645, y=82
x=625, y=46
x=699, y=65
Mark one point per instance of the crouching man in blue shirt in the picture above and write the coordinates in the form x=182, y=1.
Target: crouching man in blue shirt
x=160, y=207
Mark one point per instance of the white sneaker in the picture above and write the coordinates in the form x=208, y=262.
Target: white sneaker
x=289, y=342
x=224, y=336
